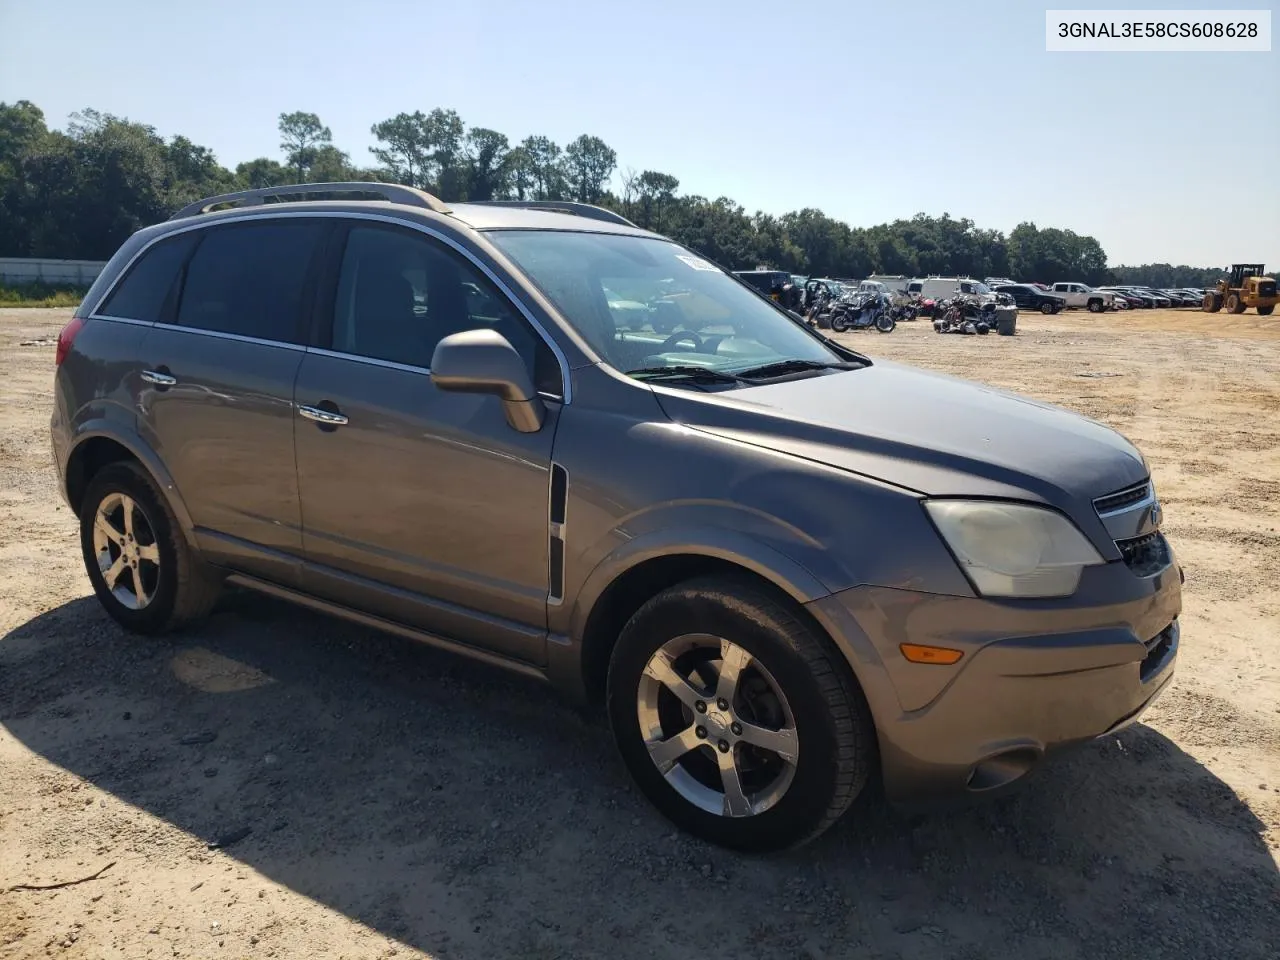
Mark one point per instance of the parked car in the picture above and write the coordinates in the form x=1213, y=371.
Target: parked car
x=1135, y=299
x=1159, y=299
x=1029, y=297
x=1180, y=298
x=779, y=566
x=937, y=288
x=1081, y=295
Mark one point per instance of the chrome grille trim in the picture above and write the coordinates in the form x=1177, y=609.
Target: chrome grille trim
x=1122, y=499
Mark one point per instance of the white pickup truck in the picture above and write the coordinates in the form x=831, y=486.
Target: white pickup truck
x=1083, y=295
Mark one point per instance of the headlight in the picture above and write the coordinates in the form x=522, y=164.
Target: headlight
x=1013, y=549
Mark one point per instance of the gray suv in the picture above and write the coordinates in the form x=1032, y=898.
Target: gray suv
x=537, y=435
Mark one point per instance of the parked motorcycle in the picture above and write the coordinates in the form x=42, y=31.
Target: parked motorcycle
x=862, y=310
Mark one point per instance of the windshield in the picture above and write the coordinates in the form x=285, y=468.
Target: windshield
x=644, y=303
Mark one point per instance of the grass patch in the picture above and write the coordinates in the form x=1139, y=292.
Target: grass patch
x=41, y=295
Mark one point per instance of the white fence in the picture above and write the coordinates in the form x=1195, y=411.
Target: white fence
x=81, y=273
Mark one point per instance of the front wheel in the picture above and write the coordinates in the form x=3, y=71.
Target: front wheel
x=1235, y=304
x=1048, y=308
x=839, y=323
x=737, y=720
x=885, y=323
x=139, y=564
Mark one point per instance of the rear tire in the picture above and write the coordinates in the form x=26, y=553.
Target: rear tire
x=1096, y=306
x=792, y=689
x=141, y=568
x=1267, y=310
x=839, y=323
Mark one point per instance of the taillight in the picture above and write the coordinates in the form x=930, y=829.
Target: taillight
x=66, y=338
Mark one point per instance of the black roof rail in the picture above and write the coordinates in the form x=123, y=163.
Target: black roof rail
x=561, y=206
x=370, y=190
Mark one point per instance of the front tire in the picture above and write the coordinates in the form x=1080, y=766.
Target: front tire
x=839, y=323
x=885, y=323
x=141, y=568
x=1235, y=304
x=737, y=719
x=1048, y=308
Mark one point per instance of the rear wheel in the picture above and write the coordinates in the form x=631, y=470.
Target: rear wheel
x=839, y=322
x=140, y=566
x=1096, y=306
x=1267, y=310
x=737, y=720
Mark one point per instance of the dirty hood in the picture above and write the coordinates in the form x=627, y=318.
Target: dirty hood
x=927, y=432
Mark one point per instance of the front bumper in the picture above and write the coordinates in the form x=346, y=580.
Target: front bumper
x=1035, y=675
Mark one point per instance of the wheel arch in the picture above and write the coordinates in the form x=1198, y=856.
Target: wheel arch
x=620, y=585
x=98, y=445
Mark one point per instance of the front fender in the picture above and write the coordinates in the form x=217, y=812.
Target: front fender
x=675, y=539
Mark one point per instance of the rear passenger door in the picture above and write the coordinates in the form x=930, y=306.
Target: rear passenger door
x=219, y=371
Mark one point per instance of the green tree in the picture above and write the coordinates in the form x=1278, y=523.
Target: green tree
x=263, y=172
x=301, y=136
x=544, y=168
x=406, y=151
x=518, y=174
x=588, y=164
x=655, y=193
x=486, y=154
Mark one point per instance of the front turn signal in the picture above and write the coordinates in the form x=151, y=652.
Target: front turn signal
x=920, y=653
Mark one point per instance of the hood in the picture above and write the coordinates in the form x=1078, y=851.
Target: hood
x=927, y=432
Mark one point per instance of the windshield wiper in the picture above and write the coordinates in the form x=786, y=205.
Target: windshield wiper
x=683, y=372
x=783, y=367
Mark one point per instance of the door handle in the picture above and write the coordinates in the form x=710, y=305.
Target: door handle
x=158, y=378
x=330, y=418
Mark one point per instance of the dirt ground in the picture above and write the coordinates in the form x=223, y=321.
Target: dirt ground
x=402, y=802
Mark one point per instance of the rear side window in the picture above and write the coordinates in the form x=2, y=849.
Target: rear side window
x=249, y=279
x=148, y=290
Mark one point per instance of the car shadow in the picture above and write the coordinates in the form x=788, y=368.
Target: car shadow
x=468, y=813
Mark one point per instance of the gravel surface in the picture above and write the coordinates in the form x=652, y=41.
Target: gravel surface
x=277, y=784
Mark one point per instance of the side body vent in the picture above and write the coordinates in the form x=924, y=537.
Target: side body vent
x=556, y=515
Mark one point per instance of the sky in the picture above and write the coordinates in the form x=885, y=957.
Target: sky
x=868, y=112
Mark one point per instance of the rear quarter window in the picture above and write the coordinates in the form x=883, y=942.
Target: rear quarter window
x=148, y=289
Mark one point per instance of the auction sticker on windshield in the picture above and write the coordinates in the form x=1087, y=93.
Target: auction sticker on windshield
x=697, y=263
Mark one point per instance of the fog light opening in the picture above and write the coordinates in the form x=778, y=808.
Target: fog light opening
x=1002, y=769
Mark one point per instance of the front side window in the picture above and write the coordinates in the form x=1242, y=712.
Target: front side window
x=248, y=279
x=148, y=290
x=400, y=293
x=644, y=303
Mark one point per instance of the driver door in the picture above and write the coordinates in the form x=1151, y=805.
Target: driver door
x=419, y=505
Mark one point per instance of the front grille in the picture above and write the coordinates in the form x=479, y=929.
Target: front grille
x=1122, y=498
x=1267, y=289
x=1145, y=556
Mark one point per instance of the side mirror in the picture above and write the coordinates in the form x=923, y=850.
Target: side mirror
x=484, y=361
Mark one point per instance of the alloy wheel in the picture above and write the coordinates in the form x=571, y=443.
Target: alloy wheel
x=125, y=547
x=717, y=725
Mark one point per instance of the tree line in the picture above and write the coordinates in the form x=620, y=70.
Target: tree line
x=78, y=193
